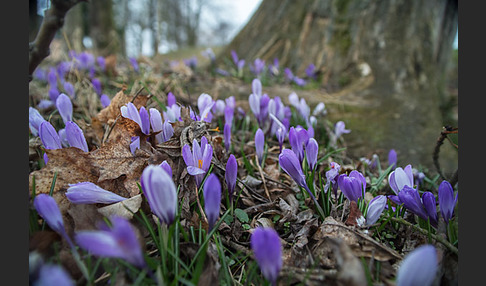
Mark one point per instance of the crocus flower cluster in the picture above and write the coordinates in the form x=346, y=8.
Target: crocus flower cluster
x=212, y=199
x=160, y=191
x=117, y=241
x=259, y=103
x=353, y=185
x=267, y=249
x=419, y=267
x=257, y=67
x=199, y=159
x=173, y=112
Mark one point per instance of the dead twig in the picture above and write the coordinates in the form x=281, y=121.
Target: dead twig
x=446, y=130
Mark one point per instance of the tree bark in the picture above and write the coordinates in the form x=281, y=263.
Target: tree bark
x=389, y=56
x=103, y=33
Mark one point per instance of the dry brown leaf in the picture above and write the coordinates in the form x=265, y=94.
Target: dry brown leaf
x=125, y=208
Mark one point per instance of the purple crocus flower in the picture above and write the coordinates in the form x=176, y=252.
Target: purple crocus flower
x=412, y=201
x=290, y=164
x=134, y=144
x=96, y=85
x=65, y=107
x=267, y=249
x=320, y=109
x=52, y=77
x=119, y=241
x=140, y=117
x=90, y=193
x=428, y=200
x=447, y=201
x=46, y=206
x=331, y=177
x=53, y=274
x=281, y=131
x=375, y=208
x=48, y=135
x=171, y=100
x=69, y=88
x=53, y=93
x=199, y=160
x=205, y=103
x=234, y=56
x=259, y=144
x=353, y=185
x=257, y=67
x=299, y=81
x=105, y=100
x=400, y=178
x=288, y=75
x=311, y=151
x=392, y=158
x=298, y=139
x=227, y=136
x=310, y=71
x=165, y=129
x=230, y=175
x=160, y=191
x=340, y=129
x=166, y=168
x=101, y=63
x=419, y=267
x=35, y=119
x=134, y=64
x=212, y=199
x=75, y=136
x=259, y=103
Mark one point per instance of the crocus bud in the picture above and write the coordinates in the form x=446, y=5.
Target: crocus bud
x=105, y=100
x=267, y=249
x=35, y=119
x=227, y=136
x=447, y=201
x=392, y=158
x=69, y=88
x=352, y=186
x=48, y=209
x=96, y=85
x=212, y=199
x=311, y=151
x=375, y=208
x=290, y=164
x=49, y=137
x=90, y=193
x=259, y=144
x=65, y=107
x=419, y=267
x=230, y=175
x=119, y=241
x=75, y=136
x=429, y=203
x=53, y=274
x=160, y=191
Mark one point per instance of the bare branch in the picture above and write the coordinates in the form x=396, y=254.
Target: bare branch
x=53, y=21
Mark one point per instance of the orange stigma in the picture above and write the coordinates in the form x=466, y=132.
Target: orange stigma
x=199, y=163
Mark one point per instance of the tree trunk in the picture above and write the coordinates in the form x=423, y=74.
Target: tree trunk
x=73, y=27
x=385, y=60
x=103, y=33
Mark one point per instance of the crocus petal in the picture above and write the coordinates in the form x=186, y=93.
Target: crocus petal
x=75, y=136
x=48, y=209
x=195, y=170
x=254, y=101
x=256, y=87
x=205, y=104
x=134, y=144
x=160, y=191
x=212, y=199
x=290, y=164
x=90, y=193
x=105, y=100
x=259, y=144
x=187, y=155
x=35, y=119
x=49, y=137
x=171, y=100
x=166, y=168
x=231, y=174
x=267, y=249
x=155, y=120
x=375, y=208
x=130, y=111
x=419, y=267
x=392, y=158
x=145, y=121
x=65, y=107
